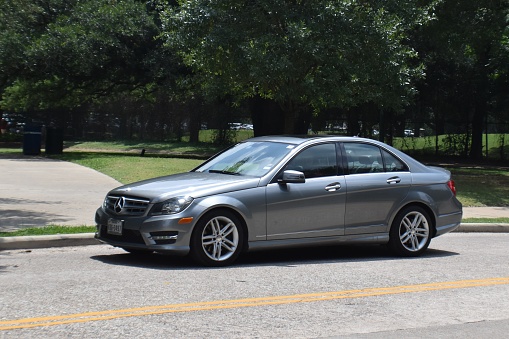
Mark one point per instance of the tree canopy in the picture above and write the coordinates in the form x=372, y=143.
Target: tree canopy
x=301, y=54
x=76, y=50
x=286, y=65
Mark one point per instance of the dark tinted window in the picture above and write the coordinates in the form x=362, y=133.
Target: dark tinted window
x=393, y=164
x=315, y=161
x=363, y=158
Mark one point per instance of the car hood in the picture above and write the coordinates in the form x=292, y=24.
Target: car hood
x=194, y=184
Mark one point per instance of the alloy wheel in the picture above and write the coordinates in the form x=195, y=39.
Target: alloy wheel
x=414, y=231
x=220, y=238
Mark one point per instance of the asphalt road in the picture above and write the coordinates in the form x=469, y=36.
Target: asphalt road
x=459, y=289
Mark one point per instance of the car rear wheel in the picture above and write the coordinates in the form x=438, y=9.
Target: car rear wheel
x=217, y=239
x=410, y=233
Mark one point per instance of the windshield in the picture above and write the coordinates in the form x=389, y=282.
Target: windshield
x=247, y=158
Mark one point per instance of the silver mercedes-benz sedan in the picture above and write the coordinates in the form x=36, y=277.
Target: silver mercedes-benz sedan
x=283, y=191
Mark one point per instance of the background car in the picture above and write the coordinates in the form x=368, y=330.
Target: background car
x=409, y=133
x=280, y=191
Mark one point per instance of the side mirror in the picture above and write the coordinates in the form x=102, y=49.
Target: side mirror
x=292, y=177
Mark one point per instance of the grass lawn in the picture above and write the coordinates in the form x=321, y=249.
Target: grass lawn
x=49, y=230
x=495, y=145
x=477, y=185
x=179, y=149
x=53, y=230
x=127, y=168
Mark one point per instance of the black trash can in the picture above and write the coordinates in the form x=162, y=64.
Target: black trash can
x=32, y=139
x=54, y=140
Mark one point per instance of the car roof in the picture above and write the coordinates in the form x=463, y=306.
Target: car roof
x=299, y=139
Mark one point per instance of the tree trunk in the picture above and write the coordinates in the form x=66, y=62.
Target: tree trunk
x=267, y=117
x=195, y=121
x=291, y=119
x=477, y=130
x=354, y=128
x=481, y=105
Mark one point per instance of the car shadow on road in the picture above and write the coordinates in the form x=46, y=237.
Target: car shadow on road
x=332, y=254
x=282, y=257
x=149, y=261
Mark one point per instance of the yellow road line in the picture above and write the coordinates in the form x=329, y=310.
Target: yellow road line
x=249, y=302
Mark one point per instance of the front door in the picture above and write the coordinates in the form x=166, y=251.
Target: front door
x=315, y=208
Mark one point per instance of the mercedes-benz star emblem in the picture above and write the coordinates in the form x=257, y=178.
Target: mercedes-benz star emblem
x=119, y=204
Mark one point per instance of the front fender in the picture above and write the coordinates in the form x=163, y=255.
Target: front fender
x=249, y=205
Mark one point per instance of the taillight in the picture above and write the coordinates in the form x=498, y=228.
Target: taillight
x=452, y=186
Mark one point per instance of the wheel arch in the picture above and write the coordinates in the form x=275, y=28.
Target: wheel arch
x=424, y=206
x=243, y=223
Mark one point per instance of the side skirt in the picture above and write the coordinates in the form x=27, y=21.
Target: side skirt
x=377, y=238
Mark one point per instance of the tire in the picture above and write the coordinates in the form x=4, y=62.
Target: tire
x=217, y=239
x=411, y=232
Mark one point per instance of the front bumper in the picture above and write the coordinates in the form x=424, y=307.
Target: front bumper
x=161, y=233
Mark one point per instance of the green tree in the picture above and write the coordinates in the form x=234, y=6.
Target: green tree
x=466, y=54
x=58, y=56
x=303, y=55
x=20, y=23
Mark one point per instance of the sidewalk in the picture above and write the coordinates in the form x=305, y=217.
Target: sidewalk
x=486, y=212
x=36, y=191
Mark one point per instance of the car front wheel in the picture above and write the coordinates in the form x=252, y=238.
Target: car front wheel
x=217, y=239
x=410, y=233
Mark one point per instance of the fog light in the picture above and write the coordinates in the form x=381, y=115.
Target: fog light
x=165, y=237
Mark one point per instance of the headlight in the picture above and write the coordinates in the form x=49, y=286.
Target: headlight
x=105, y=203
x=172, y=206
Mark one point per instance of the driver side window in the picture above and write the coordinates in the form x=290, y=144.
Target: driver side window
x=315, y=161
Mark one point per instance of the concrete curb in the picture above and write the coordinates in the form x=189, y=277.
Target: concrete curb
x=84, y=239
x=483, y=228
x=47, y=241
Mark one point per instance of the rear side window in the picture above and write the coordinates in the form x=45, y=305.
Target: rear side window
x=366, y=158
x=363, y=158
x=393, y=164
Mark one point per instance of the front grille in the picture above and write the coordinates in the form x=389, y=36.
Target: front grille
x=128, y=236
x=122, y=205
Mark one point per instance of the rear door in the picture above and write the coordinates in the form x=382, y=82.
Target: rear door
x=377, y=182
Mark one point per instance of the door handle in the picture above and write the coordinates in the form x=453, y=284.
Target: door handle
x=393, y=180
x=333, y=187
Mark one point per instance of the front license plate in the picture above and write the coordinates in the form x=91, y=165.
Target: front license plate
x=115, y=226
